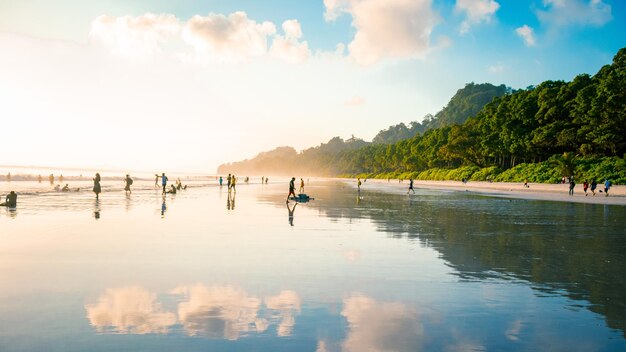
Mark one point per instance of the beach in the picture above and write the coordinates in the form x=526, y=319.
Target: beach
x=537, y=191
x=207, y=269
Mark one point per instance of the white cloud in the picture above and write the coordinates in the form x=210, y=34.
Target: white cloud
x=133, y=37
x=288, y=48
x=381, y=326
x=575, y=12
x=476, y=11
x=527, y=34
x=386, y=28
x=292, y=29
x=129, y=310
x=232, y=38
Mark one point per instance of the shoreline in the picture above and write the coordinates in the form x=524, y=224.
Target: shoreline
x=536, y=191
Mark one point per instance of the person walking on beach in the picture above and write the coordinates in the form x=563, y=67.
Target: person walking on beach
x=10, y=200
x=301, y=185
x=233, y=182
x=228, y=181
x=410, y=187
x=607, y=186
x=585, y=186
x=292, y=189
x=594, y=185
x=164, y=180
x=572, y=184
x=526, y=183
x=51, y=179
x=96, y=185
x=221, y=180
x=358, y=185
x=129, y=181
x=156, y=180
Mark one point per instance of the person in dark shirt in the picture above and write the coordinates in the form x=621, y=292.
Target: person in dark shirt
x=292, y=189
x=10, y=200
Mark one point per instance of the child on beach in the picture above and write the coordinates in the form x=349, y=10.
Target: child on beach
x=585, y=186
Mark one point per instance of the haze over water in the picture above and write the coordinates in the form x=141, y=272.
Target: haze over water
x=200, y=271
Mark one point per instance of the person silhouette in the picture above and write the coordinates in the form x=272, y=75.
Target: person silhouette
x=10, y=200
x=301, y=185
x=164, y=182
x=292, y=189
x=96, y=185
x=129, y=181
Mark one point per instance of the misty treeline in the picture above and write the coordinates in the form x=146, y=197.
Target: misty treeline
x=483, y=126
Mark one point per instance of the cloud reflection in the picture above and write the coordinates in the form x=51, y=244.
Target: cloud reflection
x=381, y=326
x=218, y=311
x=129, y=310
x=287, y=303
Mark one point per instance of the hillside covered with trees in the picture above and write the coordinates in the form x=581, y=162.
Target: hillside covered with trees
x=540, y=133
x=467, y=101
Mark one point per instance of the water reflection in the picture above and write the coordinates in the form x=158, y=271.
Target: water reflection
x=216, y=312
x=219, y=312
x=381, y=326
x=129, y=310
x=291, y=212
x=565, y=249
x=230, y=202
x=96, y=209
x=163, y=207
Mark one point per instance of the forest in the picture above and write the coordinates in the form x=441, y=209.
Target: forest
x=540, y=133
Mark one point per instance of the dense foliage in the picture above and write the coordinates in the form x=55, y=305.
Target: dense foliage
x=467, y=102
x=526, y=133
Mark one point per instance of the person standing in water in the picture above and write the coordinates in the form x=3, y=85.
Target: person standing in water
x=164, y=182
x=233, y=181
x=10, y=200
x=358, y=185
x=129, y=181
x=156, y=180
x=292, y=189
x=301, y=185
x=229, y=181
x=410, y=187
x=221, y=180
x=96, y=185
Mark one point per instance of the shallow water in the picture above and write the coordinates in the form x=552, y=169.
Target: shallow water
x=201, y=271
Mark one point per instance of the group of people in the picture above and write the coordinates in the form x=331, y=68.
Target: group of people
x=591, y=186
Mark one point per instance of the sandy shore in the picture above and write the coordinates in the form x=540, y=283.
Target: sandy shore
x=539, y=191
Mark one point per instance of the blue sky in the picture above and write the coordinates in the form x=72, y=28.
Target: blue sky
x=273, y=68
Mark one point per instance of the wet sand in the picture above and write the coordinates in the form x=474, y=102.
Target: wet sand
x=537, y=191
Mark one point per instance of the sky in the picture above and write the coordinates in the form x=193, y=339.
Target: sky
x=187, y=85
